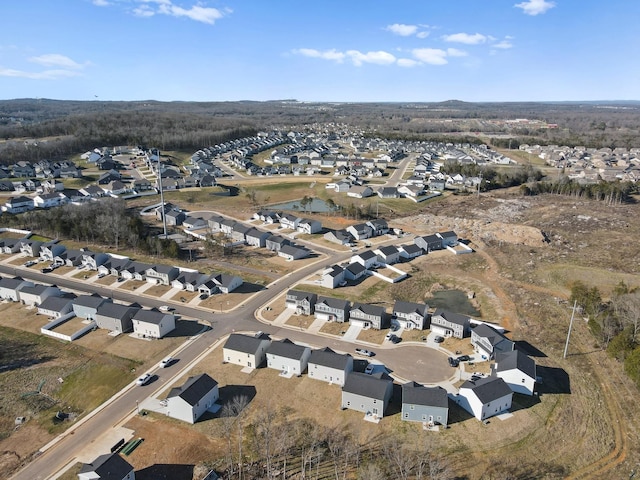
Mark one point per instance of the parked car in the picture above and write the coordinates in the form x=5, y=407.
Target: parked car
x=369, y=369
x=395, y=339
x=204, y=296
x=144, y=379
x=164, y=308
x=165, y=362
x=395, y=327
x=388, y=336
x=464, y=358
x=454, y=362
x=366, y=353
x=438, y=339
x=30, y=263
x=46, y=270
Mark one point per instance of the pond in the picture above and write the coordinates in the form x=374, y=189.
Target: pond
x=455, y=301
x=316, y=205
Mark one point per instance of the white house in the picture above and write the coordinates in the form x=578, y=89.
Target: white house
x=191, y=400
x=487, y=341
x=307, y=225
x=332, y=276
x=287, y=357
x=328, y=366
x=484, y=398
x=518, y=370
x=153, y=323
x=245, y=350
x=36, y=294
x=367, y=259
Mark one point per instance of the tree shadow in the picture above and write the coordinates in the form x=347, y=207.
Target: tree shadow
x=530, y=350
x=228, y=396
x=166, y=471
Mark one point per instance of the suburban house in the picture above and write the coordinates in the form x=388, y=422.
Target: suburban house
x=517, y=370
x=10, y=288
x=93, y=260
x=411, y=315
x=86, y=306
x=50, y=250
x=291, y=252
x=428, y=405
x=307, y=225
x=355, y=271
x=379, y=226
x=153, y=323
x=487, y=341
x=358, y=191
x=245, y=350
x=56, y=307
x=192, y=399
x=450, y=324
x=387, y=255
x=409, y=251
x=189, y=280
x=289, y=358
x=368, y=259
x=161, y=274
x=289, y=221
x=135, y=271
x=34, y=295
x=485, y=397
x=360, y=231
x=256, y=238
x=332, y=277
x=341, y=237
x=31, y=248
x=329, y=366
x=429, y=243
x=18, y=205
x=107, y=467
x=276, y=242
x=332, y=309
x=115, y=317
x=302, y=302
x=114, y=266
x=367, y=393
x=70, y=258
x=368, y=316
x=449, y=239
x=226, y=283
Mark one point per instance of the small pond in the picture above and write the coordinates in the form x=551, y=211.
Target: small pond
x=316, y=205
x=455, y=301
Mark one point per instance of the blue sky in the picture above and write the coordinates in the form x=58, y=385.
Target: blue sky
x=329, y=50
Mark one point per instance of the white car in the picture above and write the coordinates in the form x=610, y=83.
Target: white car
x=366, y=353
x=369, y=369
x=165, y=308
x=144, y=379
x=165, y=362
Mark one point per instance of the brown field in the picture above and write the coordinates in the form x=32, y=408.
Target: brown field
x=300, y=321
x=157, y=290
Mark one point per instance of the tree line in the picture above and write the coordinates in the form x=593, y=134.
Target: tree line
x=613, y=193
x=107, y=222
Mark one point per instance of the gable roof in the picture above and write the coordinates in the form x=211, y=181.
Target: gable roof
x=328, y=358
x=149, y=316
x=487, y=389
x=287, y=349
x=115, y=310
x=369, y=309
x=55, y=304
x=516, y=360
x=366, y=255
x=491, y=334
x=366, y=385
x=410, y=307
x=331, y=302
x=355, y=268
x=194, y=389
x=417, y=394
x=451, y=317
x=108, y=467
x=243, y=343
x=91, y=301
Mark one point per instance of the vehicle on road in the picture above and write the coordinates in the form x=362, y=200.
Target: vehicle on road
x=165, y=362
x=365, y=352
x=464, y=358
x=453, y=362
x=164, y=308
x=144, y=379
x=46, y=270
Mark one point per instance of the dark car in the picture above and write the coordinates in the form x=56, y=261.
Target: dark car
x=438, y=339
x=464, y=358
x=395, y=327
x=366, y=353
x=396, y=339
x=204, y=296
x=454, y=362
x=46, y=270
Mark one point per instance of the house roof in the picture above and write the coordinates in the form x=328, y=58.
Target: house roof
x=491, y=334
x=149, y=316
x=331, y=302
x=278, y=239
x=411, y=248
x=375, y=310
x=388, y=250
x=194, y=389
x=516, y=360
x=447, y=234
x=334, y=270
x=300, y=295
x=410, y=307
x=366, y=385
x=328, y=358
x=11, y=283
x=487, y=389
x=366, y=255
x=355, y=268
x=243, y=343
x=55, y=304
x=417, y=394
x=451, y=317
x=287, y=349
x=115, y=310
x=91, y=301
x=108, y=467
x=293, y=250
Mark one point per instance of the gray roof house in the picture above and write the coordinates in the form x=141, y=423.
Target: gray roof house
x=135, y=270
x=368, y=316
x=410, y=251
x=245, y=350
x=107, y=467
x=287, y=357
x=93, y=260
x=487, y=341
x=328, y=366
x=367, y=258
x=31, y=248
x=307, y=225
x=450, y=324
x=449, y=239
x=517, y=370
x=485, y=397
x=388, y=254
x=192, y=399
x=189, y=280
x=302, y=302
x=153, y=323
x=428, y=405
x=367, y=393
x=56, y=307
x=161, y=274
x=10, y=288
x=36, y=294
x=276, y=242
x=360, y=231
x=354, y=271
x=332, y=309
x=291, y=252
x=429, y=243
x=51, y=250
x=115, y=317
x=411, y=315
x=256, y=238
x=332, y=277
x=86, y=306
x=341, y=237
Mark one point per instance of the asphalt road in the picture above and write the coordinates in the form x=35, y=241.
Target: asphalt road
x=405, y=361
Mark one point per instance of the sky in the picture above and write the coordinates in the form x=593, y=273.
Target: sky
x=320, y=51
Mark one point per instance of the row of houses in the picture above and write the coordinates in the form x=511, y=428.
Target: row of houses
x=58, y=304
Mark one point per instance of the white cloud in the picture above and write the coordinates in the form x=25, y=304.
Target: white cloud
x=325, y=55
x=143, y=11
x=454, y=52
x=422, y=34
x=504, y=45
x=379, y=58
x=402, y=29
x=150, y=8
x=55, y=60
x=44, y=75
x=535, y=7
x=101, y=3
x=432, y=56
x=199, y=14
x=465, y=38
x=407, y=62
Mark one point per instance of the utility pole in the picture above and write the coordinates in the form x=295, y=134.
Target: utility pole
x=164, y=218
x=566, y=346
